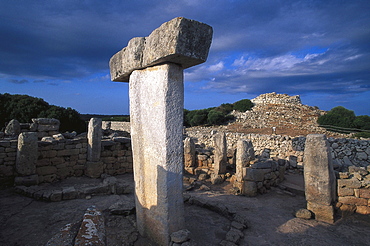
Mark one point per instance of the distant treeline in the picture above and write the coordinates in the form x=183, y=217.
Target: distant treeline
x=23, y=108
x=87, y=117
x=340, y=119
x=216, y=115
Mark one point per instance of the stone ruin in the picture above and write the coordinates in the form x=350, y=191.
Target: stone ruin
x=154, y=66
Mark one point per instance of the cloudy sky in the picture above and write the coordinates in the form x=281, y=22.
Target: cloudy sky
x=59, y=50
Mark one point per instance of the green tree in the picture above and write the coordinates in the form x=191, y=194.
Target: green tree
x=243, y=105
x=338, y=116
x=362, y=122
x=23, y=108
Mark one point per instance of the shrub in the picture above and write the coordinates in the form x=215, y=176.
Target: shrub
x=362, y=122
x=243, y=105
x=338, y=116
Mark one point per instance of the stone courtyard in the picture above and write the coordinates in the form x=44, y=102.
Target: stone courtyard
x=209, y=214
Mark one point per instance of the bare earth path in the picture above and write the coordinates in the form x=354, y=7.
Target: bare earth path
x=25, y=221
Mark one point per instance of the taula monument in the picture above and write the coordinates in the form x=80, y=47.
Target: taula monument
x=154, y=66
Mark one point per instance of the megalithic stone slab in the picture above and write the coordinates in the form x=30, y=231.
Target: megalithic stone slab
x=319, y=177
x=94, y=136
x=27, y=153
x=156, y=112
x=180, y=40
x=220, y=153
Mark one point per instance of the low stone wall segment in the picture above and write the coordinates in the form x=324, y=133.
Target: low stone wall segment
x=59, y=159
x=353, y=189
x=345, y=152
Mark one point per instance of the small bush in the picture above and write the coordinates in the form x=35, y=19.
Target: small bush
x=243, y=105
x=338, y=116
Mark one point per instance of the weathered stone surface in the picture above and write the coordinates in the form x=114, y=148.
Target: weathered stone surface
x=156, y=93
x=94, y=169
x=94, y=139
x=13, y=128
x=322, y=212
x=318, y=171
x=363, y=210
x=349, y=183
x=180, y=236
x=364, y=193
x=303, y=214
x=244, y=154
x=92, y=229
x=220, y=153
x=257, y=175
x=65, y=236
x=27, y=153
x=189, y=152
x=319, y=178
x=27, y=180
x=353, y=200
x=180, y=40
x=249, y=188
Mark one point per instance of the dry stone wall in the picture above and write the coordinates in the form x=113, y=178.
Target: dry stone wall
x=354, y=190
x=345, y=152
x=61, y=155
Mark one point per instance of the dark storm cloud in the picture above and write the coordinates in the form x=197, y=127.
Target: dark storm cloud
x=258, y=46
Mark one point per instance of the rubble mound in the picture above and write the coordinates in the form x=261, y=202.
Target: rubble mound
x=283, y=112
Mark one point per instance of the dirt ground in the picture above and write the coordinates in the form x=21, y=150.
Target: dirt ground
x=270, y=216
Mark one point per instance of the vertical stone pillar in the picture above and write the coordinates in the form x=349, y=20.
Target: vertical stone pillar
x=154, y=68
x=189, y=155
x=319, y=178
x=157, y=95
x=244, y=155
x=220, y=152
x=94, y=167
x=27, y=154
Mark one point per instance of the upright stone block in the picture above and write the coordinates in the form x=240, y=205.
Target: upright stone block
x=189, y=155
x=13, y=128
x=154, y=67
x=94, y=139
x=319, y=177
x=27, y=153
x=244, y=155
x=157, y=96
x=220, y=153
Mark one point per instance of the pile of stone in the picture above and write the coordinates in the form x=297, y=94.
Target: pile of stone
x=261, y=176
x=354, y=190
x=43, y=127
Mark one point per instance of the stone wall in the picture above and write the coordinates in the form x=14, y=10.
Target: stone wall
x=59, y=159
x=345, y=152
x=354, y=190
x=116, y=126
x=273, y=98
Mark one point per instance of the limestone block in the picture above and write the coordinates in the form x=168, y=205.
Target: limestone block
x=92, y=229
x=363, y=209
x=189, y=152
x=318, y=171
x=244, y=155
x=27, y=153
x=249, y=188
x=220, y=153
x=13, y=128
x=156, y=93
x=181, y=41
x=349, y=183
x=324, y=213
x=27, y=180
x=345, y=191
x=46, y=170
x=353, y=200
x=94, y=169
x=257, y=175
x=365, y=193
x=94, y=136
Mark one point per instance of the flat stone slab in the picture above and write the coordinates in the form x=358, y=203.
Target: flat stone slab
x=180, y=40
